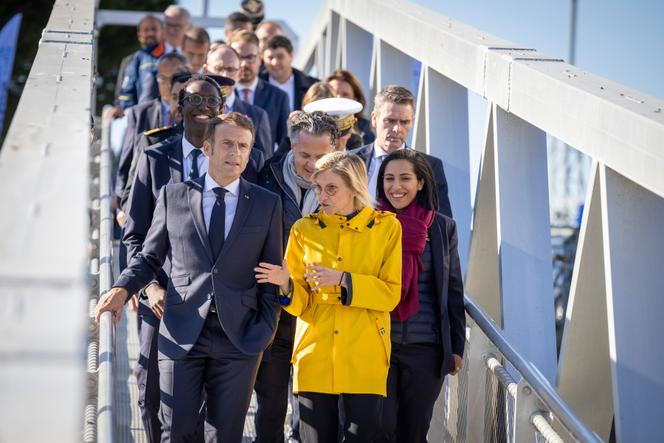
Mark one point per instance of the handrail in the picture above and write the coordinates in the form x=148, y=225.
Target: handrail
x=106, y=325
x=533, y=377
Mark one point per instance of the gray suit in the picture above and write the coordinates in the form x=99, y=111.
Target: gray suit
x=197, y=349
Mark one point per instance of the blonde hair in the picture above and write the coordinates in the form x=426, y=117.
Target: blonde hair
x=352, y=171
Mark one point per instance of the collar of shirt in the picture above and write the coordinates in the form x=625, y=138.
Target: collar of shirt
x=251, y=86
x=170, y=48
x=187, y=147
x=232, y=188
x=288, y=84
x=379, y=152
x=230, y=101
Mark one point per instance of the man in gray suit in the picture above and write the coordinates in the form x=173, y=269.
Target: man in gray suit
x=217, y=320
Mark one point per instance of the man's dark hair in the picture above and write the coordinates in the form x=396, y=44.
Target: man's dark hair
x=427, y=197
x=197, y=35
x=314, y=123
x=149, y=17
x=279, y=41
x=234, y=20
x=394, y=94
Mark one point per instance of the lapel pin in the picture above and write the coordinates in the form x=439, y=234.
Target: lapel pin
x=246, y=196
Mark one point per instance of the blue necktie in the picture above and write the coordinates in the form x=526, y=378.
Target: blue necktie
x=194, y=164
x=217, y=223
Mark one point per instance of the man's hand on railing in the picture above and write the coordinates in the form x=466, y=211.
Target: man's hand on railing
x=156, y=295
x=113, y=301
x=458, y=364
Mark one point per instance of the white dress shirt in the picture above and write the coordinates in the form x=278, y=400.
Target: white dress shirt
x=377, y=160
x=202, y=160
x=169, y=48
x=230, y=200
x=230, y=101
x=288, y=87
x=252, y=90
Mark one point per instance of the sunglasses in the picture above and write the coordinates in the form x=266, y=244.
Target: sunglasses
x=197, y=100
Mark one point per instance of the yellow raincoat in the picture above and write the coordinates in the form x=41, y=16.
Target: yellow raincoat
x=338, y=348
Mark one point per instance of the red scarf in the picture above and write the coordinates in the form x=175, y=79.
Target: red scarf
x=415, y=222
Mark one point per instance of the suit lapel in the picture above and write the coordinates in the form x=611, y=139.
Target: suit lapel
x=244, y=204
x=157, y=119
x=196, y=207
x=258, y=93
x=175, y=162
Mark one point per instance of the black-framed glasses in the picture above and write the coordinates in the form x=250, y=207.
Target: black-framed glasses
x=328, y=189
x=227, y=70
x=197, y=100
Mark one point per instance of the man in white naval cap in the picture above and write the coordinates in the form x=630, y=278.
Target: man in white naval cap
x=343, y=111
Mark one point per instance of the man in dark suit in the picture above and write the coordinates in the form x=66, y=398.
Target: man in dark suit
x=148, y=115
x=313, y=135
x=217, y=320
x=169, y=162
x=392, y=117
x=256, y=91
x=223, y=60
x=279, y=72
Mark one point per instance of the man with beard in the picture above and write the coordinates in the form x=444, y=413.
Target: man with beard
x=256, y=91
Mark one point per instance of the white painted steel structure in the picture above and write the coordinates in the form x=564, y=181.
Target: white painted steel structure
x=611, y=357
x=44, y=248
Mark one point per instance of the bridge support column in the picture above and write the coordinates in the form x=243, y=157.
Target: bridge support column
x=632, y=220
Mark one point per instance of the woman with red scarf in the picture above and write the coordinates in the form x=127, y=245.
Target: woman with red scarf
x=428, y=324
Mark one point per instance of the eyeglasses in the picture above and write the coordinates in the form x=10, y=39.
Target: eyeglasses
x=248, y=58
x=173, y=25
x=197, y=100
x=225, y=69
x=163, y=78
x=330, y=190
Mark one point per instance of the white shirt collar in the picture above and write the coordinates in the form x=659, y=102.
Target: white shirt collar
x=288, y=83
x=233, y=187
x=230, y=100
x=251, y=85
x=187, y=147
x=378, y=151
x=169, y=48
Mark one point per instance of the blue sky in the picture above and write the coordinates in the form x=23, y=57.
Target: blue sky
x=617, y=39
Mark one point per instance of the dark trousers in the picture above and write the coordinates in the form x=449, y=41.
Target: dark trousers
x=216, y=368
x=272, y=392
x=147, y=374
x=413, y=385
x=319, y=417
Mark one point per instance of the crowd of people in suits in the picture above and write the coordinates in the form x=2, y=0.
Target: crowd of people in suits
x=278, y=240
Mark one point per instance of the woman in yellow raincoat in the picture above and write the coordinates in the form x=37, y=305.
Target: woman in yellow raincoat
x=341, y=277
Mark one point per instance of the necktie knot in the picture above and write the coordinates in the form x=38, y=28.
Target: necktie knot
x=245, y=94
x=194, y=173
x=219, y=193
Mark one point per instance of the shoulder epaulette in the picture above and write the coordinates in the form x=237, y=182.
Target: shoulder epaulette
x=157, y=130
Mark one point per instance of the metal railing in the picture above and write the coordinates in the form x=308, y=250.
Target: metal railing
x=609, y=367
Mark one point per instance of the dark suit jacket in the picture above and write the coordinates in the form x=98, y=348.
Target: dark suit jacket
x=140, y=118
x=262, y=128
x=275, y=102
x=301, y=84
x=248, y=312
x=449, y=288
x=366, y=154
x=159, y=165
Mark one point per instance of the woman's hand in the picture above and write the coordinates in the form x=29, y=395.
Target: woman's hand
x=275, y=274
x=317, y=276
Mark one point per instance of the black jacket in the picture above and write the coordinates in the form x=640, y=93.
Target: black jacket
x=301, y=84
